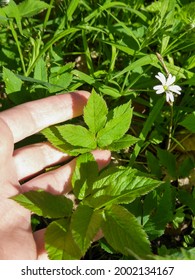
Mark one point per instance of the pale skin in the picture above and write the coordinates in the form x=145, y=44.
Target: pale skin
x=16, y=238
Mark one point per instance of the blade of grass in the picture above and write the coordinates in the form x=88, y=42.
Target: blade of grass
x=47, y=16
x=106, y=6
x=71, y=8
x=146, y=129
x=49, y=44
x=18, y=46
x=87, y=53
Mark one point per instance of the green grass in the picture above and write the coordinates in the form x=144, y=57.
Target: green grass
x=110, y=46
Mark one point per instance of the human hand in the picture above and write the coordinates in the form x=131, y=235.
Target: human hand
x=16, y=238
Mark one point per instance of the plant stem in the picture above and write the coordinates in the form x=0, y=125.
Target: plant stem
x=18, y=46
x=170, y=128
x=47, y=16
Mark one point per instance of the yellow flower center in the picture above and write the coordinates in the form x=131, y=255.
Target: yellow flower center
x=165, y=87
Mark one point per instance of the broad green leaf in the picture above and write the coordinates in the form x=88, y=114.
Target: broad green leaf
x=187, y=199
x=77, y=135
x=29, y=8
x=86, y=171
x=55, y=138
x=153, y=164
x=12, y=82
x=12, y=11
x=107, y=90
x=162, y=214
x=40, y=72
x=59, y=82
x=123, y=232
x=185, y=167
x=182, y=254
x=189, y=122
x=123, y=143
x=117, y=126
x=168, y=160
x=118, y=187
x=95, y=112
x=45, y=204
x=85, y=224
x=83, y=77
x=59, y=242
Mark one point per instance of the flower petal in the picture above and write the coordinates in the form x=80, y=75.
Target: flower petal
x=170, y=80
x=175, y=89
x=169, y=96
x=161, y=78
x=159, y=89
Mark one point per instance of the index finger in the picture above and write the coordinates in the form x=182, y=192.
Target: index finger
x=31, y=117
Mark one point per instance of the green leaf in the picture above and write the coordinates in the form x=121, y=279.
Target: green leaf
x=189, y=122
x=119, y=186
x=125, y=142
x=95, y=112
x=162, y=214
x=185, y=167
x=187, y=199
x=12, y=82
x=123, y=232
x=45, y=204
x=55, y=138
x=12, y=11
x=85, y=224
x=29, y=8
x=117, y=126
x=153, y=164
x=168, y=160
x=59, y=82
x=40, y=72
x=85, y=173
x=71, y=8
x=59, y=242
x=77, y=135
x=181, y=254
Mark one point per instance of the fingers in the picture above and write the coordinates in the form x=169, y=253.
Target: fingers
x=31, y=159
x=40, y=243
x=6, y=142
x=58, y=181
x=31, y=117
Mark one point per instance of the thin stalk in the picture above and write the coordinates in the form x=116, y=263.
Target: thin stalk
x=170, y=128
x=47, y=16
x=18, y=46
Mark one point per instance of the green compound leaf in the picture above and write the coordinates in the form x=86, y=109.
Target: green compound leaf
x=117, y=126
x=45, y=204
x=119, y=187
x=85, y=173
x=123, y=232
x=59, y=242
x=95, y=112
x=85, y=224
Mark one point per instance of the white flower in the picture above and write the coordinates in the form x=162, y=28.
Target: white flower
x=167, y=86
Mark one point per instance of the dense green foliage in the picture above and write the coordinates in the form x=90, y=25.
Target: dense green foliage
x=144, y=202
